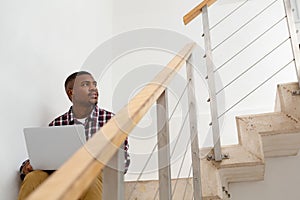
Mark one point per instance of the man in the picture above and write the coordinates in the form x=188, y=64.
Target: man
x=81, y=89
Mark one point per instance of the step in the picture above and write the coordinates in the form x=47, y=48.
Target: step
x=241, y=166
x=146, y=190
x=279, y=132
x=286, y=102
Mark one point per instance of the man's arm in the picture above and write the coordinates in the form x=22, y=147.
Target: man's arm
x=25, y=168
x=126, y=156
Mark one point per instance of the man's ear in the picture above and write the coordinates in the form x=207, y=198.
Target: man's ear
x=70, y=93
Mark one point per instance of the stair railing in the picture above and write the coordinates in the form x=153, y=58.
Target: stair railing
x=216, y=113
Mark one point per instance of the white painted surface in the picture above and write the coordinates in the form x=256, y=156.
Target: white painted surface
x=281, y=182
x=41, y=44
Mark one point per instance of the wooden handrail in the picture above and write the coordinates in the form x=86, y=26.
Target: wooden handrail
x=196, y=11
x=75, y=176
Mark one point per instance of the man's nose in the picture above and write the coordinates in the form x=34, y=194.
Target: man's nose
x=93, y=87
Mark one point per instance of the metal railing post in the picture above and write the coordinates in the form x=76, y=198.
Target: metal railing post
x=293, y=35
x=211, y=85
x=113, y=177
x=193, y=131
x=163, y=145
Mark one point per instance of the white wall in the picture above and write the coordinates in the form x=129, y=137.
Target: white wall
x=41, y=43
x=281, y=182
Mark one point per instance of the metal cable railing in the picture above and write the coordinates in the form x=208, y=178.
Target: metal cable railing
x=187, y=181
x=257, y=62
x=244, y=25
x=249, y=44
x=211, y=72
x=178, y=136
x=231, y=13
x=152, y=153
x=178, y=101
x=242, y=99
x=155, y=146
x=181, y=165
x=175, y=144
x=270, y=6
x=252, y=66
x=142, y=171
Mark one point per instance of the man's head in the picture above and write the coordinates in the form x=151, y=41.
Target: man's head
x=81, y=88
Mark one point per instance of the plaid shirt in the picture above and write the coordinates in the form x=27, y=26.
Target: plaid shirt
x=92, y=124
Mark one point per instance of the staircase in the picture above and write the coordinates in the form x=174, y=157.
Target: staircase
x=261, y=136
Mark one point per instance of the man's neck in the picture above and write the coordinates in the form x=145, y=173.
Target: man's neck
x=82, y=111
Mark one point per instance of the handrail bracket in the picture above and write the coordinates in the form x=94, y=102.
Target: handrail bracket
x=296, y=92
x=211, y=157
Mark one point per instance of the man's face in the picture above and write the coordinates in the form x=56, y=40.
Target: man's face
x=85, y=92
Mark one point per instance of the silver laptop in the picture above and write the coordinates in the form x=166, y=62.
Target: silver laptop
x=49, y=147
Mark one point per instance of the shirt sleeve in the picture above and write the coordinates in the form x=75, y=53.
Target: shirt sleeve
x=126, y=147
x=126, y=156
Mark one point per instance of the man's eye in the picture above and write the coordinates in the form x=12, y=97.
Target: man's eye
x=85, y=84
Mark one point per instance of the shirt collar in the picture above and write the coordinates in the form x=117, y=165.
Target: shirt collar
x=93, y=115
x=71, y=115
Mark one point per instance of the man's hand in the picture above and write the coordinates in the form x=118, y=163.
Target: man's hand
x=25, y=169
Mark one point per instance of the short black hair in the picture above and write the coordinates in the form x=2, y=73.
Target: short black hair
x=73, y=77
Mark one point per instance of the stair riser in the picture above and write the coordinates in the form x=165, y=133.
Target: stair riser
x=281, y=145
